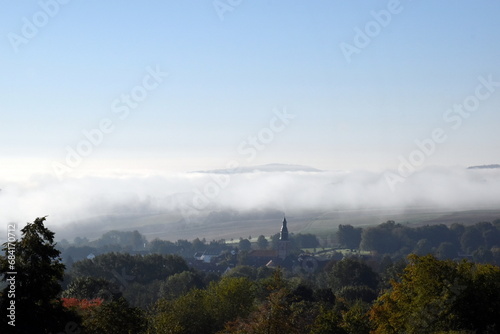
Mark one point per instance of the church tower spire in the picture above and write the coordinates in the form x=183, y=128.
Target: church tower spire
x=284, y=231
x=283, y=242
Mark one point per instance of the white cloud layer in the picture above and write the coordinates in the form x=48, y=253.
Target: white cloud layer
x=189, y=194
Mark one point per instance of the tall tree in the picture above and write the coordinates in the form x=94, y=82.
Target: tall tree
x=349, y=236
x=39, y=269
x=245, y=245
x=352, y=272
x=262, y=242
x=440, y=296
x=115, y=317
x=381, y=238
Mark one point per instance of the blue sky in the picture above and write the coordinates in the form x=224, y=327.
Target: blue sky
x=227, y=77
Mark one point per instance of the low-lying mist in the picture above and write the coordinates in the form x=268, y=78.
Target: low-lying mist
x=196, y=194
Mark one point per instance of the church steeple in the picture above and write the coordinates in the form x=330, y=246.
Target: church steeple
x=284, y=231
x=283, y=242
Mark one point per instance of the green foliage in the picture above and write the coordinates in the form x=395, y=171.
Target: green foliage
x=447, y=251
x=423, y=247
x=356, y=319
x=131, y=240
x=278, y=315
x=244, y=245
x=39, y=273
x=115, y=317
x=86, y=287
x=471, y=239
x=262, y=242
x=439, y=240
x=382, y=238
x=328, y=321
x=426, y=295
x=205, y=311
x=230, y=298
x=179, y=284
x=162, y=247
x=185, y=315
x=352, y=272
x=352, y=293
x=243, y=271
x=436, y=295
x=124, y=268
x=349, y=236
x=305, y=240
x=142, y=295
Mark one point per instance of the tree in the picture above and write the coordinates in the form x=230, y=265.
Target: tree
x=435, y=234
x=471, y=239
x=245, y=245
x=125, y=239
x=184, y=315
x=447, y=250
x=115, y=317
x=352, y=272
x=262, y=242
x=352, y=293
x=179, y=284
x=228, y=299
x=91, y=287
x=307, y=240
x=423, y=247
x=438, y=296
x=328, y=321
x=277, y=315
x=242, y=271
x=356, y=319
x=349, y=236
x=491, y=238
x=162, y=246
x=38, y=308
x=204, y=311
x=482, y=255
x=124, y=268
x=381, y=238
x=78, y=241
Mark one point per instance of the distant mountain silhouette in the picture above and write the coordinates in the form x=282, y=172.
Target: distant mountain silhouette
x=485, y=166
x=269, y=168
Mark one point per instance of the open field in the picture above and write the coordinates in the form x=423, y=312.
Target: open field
x=231, y=225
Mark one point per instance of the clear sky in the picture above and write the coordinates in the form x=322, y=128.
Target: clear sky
x=67, y=67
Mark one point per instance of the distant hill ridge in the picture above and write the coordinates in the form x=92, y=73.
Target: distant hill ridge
x=485, y=166
x=262, y=168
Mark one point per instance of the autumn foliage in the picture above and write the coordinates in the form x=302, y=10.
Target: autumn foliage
x=81, y=304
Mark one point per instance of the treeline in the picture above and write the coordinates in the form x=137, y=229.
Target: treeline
x=134, y=242
x=479, y=242
x=160, y=293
